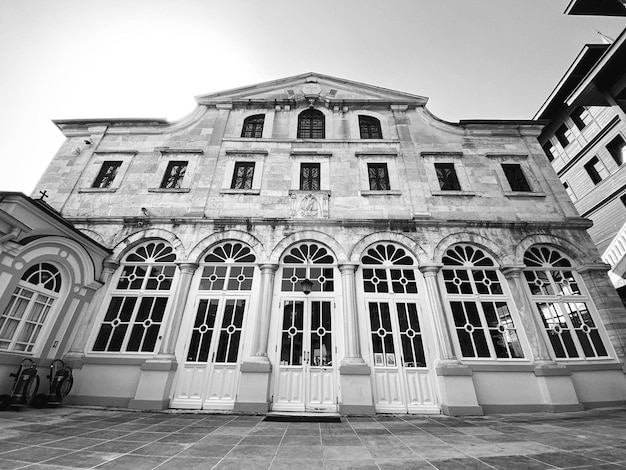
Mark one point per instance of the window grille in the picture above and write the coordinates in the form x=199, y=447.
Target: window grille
x=253, y=126
x=107, y=174
x=562, y=304
x=139, y=301
x=311, y=124
x=310, y=176
x=29, y=308
x=378, y=176
x=174, y=175
x=446, y=174
x=243, y=175
x=369, y=128
x=479, y=305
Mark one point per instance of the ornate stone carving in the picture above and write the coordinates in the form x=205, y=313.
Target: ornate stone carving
x=309, y=204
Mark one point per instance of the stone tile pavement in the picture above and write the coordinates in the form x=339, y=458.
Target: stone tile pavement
x=79, y=437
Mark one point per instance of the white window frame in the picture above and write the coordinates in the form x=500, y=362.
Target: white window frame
x=51, y=314
x=139, y=294
x=477, y=299
x=559, y=300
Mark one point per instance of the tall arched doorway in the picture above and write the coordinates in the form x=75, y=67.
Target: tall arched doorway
x=305, y=332
x=210, y=342
x=400, y=343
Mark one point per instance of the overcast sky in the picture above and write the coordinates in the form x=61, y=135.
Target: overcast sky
x=70, y=59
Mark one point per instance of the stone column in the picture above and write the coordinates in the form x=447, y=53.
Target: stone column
x=262, y=322
x=89, y=315
x=530, y=320
x=351, y=322
x=253, y=393
x=444, y=341
x=456, y=384
x=354, y=373
x=170, y=335
x=608, y=304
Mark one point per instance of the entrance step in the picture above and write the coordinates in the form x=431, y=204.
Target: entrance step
x=303, y=417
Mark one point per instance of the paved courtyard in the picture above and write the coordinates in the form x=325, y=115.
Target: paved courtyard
x=73, y=437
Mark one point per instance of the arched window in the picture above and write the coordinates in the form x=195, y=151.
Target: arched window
x=139, y=300
x=564, y=308
x=478, y=304
x=253, y=126
x=311, y=124
x=227, y=269
x=370, y=128
x=29, y=307
x=389, y=269
x=308, y=261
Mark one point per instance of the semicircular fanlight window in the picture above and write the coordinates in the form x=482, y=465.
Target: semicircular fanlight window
x=308, y=253
x=230, y=253
x=543, y=256
x=387, y=254
x=44, y=275
x=465, y=255
x=153, y=252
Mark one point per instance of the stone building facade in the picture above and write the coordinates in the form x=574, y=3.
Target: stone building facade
x=318, y=244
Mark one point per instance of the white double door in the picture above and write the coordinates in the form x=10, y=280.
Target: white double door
x=209, y=371
x=400, y=345
x=305, y=365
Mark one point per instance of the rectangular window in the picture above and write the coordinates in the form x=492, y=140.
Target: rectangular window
x=243, y=175
x=563, y=135
x=174, y=175
x=596, y=170
x=515, y=177
x=107, y=174
x=378, y=176
x=446, y=174
x=581, y=117
x=310, y=176
x=617, y=149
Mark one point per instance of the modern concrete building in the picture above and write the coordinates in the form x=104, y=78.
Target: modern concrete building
x=585, y=137
x=313, y=244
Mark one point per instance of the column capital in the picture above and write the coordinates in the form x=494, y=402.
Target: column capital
x=187, y=267
x=512, y=270
x=430, y=269
x=348, y=267
x=271, y=267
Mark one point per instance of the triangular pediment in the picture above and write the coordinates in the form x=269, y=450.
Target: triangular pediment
x=312, y=86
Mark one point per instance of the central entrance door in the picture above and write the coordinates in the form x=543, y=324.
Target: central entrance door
x=306, y=371
x=306, y=332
